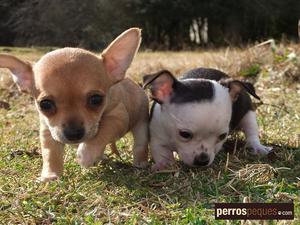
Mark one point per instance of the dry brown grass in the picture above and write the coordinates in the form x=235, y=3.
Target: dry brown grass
x=230, y=60
x=117, y=193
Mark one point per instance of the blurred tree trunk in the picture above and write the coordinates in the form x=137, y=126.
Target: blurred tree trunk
x=166, y=24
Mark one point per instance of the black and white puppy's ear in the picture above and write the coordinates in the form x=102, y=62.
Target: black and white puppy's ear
x=235, y=87
x=161, y=85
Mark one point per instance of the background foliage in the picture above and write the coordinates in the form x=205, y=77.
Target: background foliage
x=165, y=23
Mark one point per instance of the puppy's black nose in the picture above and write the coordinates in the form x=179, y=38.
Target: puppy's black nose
x=74, y=133
x=201, y=160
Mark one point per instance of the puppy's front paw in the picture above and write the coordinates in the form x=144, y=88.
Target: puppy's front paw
x=259, y=149
x=47, y=178
x=160, y=166
x=142, y=164
x=87, y=157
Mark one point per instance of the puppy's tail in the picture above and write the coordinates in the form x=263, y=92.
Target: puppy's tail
x=114, y=149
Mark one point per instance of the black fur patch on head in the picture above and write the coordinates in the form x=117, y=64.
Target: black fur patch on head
x=241, y=106
x=204, y=73
x=192, y=90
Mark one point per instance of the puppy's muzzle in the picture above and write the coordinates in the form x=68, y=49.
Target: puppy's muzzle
x=73, y=133
x=201, y=160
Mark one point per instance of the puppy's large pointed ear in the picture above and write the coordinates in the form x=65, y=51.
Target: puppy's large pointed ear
x=161, y=85
x=235, y=87
x=21, y=71
x=118, y=55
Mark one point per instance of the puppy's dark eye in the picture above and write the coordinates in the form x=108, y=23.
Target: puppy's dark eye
x=222, y=136
x=186, y=134
x=95, y=100
x=47, y=105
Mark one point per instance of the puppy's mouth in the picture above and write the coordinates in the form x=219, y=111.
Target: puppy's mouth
x=87, y=136
x=68, y=139
x=74, y=134
x=199, y=161
x=73, y=142
x=201, y=166
x=79, y=135
x=204, y=166
x=62, y=139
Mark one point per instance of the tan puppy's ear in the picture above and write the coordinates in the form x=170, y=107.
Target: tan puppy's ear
x=21, y=71
x=118, y=55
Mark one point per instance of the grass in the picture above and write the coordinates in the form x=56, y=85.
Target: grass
x=115, y=192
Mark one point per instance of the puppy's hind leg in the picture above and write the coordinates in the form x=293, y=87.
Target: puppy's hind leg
x=140, y=134
x=249, y=125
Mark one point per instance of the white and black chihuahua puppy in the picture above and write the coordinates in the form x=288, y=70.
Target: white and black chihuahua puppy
x=194, y=114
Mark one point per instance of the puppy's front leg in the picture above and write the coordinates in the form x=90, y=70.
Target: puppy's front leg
x=162, y=155
x=140, y=148
x=112, y=127
x=52, y=153
x=249, y=125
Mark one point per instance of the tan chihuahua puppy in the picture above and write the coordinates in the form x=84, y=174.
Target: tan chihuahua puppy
x=83, y=98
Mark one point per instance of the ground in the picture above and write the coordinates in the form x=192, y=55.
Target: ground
x=115, y=192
